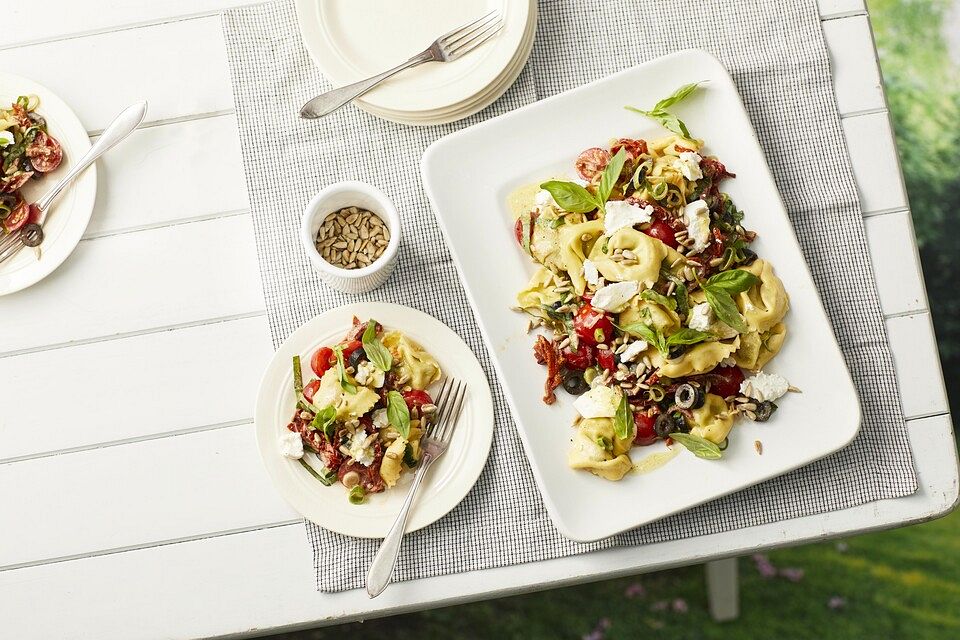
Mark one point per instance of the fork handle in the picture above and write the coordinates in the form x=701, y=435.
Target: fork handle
x=330, y=101
x=381, y=569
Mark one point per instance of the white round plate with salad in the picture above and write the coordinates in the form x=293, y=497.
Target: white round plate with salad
x=377, y=369
x=67, y=220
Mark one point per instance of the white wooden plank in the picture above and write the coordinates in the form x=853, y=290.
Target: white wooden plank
x=135, y=494
x=134, y=387
x=896, y=263
x=252, y=583
x=51, y=19
x=856, y=75
x=180, y=68
x=170, y=173
x=834, y=8
x=873, y=154
x=138, y=281
x=914, y=348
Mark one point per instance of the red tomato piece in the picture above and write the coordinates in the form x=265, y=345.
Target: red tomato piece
x=416, y=398
x=580, y=359
x=634, y=148
x=17, y=218
x=607, y=360
x=45, y=153
x=645, y=435
x=725, y=381
x=593, y=327
x=518, y=228
x=310, y=388
x=321, y=361
x=349, y=348
x=592, y=162
x=661, y=231
x=11, y=184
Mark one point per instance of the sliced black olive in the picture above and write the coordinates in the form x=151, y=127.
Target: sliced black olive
x=749, y=255
x=680, y=422
x=26, y=165
x=664, y=425
x=32, y=235
x=764, y=410
x=356, y=357
x=688, y=396
x=723, y=445
x=574, y=384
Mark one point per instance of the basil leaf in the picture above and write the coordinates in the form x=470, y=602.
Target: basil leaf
x=345, y=383
x=297, y=376
x=376, y=352
x=700, y=447
x=676, y=96
x=725, y=308
x=571, y=196
x=623, y=421
x=659, y=298
x=668, y=121
x=650, y=334
x=611, y=173
x=688, y=336
x=398, y=414
x=682, y=297
x=324, y=421
x=733, y=281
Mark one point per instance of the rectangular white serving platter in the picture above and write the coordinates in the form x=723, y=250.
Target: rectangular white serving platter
x=468, y=176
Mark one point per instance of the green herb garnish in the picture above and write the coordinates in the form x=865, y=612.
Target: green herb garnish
x=666, y=119
x=357, y=495
x=623, y=421
x=572, y=197
x=659, y=298
x=653, y=335
x=297, y=377
x=700, y=447
x=326, y=476
x=720, y=290
x=345, y=383
x=324, y=421
x=398, y=414
x=376, y=352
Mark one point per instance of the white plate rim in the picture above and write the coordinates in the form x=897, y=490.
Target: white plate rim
x=324, y=56
x=328, y=507
x=77, y=202
x=561, y=520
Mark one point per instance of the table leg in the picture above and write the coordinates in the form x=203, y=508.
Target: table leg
x=723, y=589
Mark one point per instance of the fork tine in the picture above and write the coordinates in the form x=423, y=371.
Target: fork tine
x=445, y=409
x=9, y=251
x=441, y=402
x=460, y=31
x=450, y=422
x=475, y=41
x=9, y=240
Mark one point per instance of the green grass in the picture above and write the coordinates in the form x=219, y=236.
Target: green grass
x=903, y=583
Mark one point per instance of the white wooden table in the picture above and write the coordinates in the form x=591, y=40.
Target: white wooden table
x=132, y=500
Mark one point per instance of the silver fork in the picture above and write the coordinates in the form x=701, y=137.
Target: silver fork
x=122, y=126
x=435, y=442
x=446, y=48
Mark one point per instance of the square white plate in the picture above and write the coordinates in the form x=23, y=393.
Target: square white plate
x=468, y=176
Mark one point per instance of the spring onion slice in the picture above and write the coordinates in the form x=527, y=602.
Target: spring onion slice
x=326, y=476
x=357, y=495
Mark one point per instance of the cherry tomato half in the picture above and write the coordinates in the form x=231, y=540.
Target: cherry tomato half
x=580, y=359
x=17, y=218
x=661, y=231
x=321, y=361
x=725, y=381
x=645, y=434
x=416, y=398
x=45, y=153
x=607, y=360
x=593, y=327
x=310, y=389
x=518, y=228
x=349, y=348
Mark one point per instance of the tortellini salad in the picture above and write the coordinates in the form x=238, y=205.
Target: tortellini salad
x=360, y=421
x=649, y=304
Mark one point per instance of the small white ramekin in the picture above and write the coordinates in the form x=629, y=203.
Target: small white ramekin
x=351, y=194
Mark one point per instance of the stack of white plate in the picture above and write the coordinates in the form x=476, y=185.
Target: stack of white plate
x=350, y=40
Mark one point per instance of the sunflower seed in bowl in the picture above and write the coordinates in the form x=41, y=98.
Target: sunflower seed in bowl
x=352, y=238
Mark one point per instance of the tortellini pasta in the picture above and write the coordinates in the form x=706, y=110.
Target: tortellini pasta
x=392, y=463
x=574, y=249
x=766, y=303
x=411, y=361
x=757, y=349
x=648, y=312
x=713, y=420
x=645, y=269
x=348, y=405
x=700, y=358
x=596, y=448
x=539, y=291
